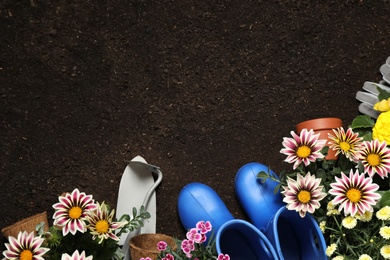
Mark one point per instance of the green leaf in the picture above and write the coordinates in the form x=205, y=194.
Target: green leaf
x=383, y=94
x=277, y=188
x=385, y=200
x=262, y=174
x=362, y=121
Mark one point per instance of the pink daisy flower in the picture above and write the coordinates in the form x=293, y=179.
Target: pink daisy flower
x=76, y=256
x=354, y=193
x=71, y=212
x=303, y=148
x=101, y=223
x=303, y=194
x=375, y=157
x=347, y=143
x=25, y=246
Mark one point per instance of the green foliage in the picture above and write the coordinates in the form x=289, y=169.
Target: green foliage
x=383, y=94
x=385, y=200
x=363, y=125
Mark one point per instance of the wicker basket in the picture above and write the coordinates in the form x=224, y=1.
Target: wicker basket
x=27, y=224
x=145, y=245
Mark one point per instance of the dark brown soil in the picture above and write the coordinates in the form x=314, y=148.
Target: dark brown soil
x=198, y=88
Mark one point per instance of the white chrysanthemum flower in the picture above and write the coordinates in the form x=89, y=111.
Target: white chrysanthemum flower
x=383, y=213
x=365, y=217
x=331, y=249
x=385, y=232
x=365, y=257
x=385, y=251
x=322, y=226
x=349, y=222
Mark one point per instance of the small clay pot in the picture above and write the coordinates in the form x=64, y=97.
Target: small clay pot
x=27, y=224
x=145, y=245
x=322, y=126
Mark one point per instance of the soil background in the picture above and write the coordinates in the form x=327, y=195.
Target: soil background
x=199, y=88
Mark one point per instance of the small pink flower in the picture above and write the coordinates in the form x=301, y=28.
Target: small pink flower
x=161, y=246
x=187, y=246
x=223, y=257
x=168, y=257
x=146, y=258
x=194, y=235
x=203, y=238
x=204, y=227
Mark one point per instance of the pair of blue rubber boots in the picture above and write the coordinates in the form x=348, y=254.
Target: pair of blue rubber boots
x=274, y=232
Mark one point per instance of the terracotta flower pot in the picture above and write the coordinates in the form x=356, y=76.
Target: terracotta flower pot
x=322, y=126
x=27, y=224
x=145, y=245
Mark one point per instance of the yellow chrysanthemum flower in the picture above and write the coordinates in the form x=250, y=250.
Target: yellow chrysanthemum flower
x=349, y=222
x=381, y=129
x=331, y=249
x=383, y=213
x=383, y=105
x=339, y=257
x=385, y=232
x=385, y=251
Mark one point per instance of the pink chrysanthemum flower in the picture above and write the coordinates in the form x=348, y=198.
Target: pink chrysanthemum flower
x=76, y=256
x=187, y=246
x=101, y=224
x=223, y=257
x=347, y=143
x=71, y=211
x=204, y=227
x=355, y=194
x=25, y=246
x=375, y=157
x=168, y=257
x=303, y=194
x=161, y=245
x=194, y=235
x=304, y=148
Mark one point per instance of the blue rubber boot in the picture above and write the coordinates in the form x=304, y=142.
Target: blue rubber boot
x=257, y=199
x=241, y=240
x=291, y=236
x=237, y=238
x=294, y=237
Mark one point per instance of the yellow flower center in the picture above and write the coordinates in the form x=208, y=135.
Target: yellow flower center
x=102, y=226
x=345, y=146
x=26, y=255
x=75, y=212
x=304, y=196
x=303, y=151
x=354, y=195
x=373, y=159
